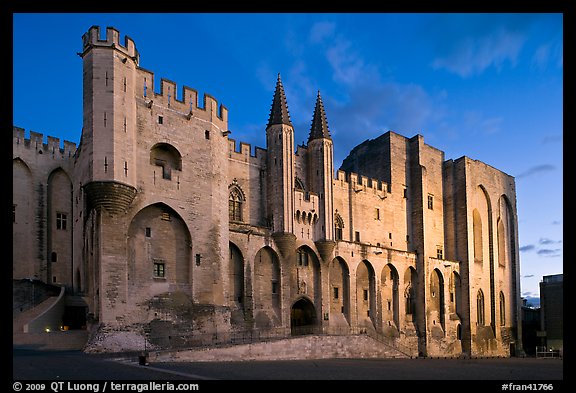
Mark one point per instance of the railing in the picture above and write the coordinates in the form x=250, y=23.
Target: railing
x=543, y=352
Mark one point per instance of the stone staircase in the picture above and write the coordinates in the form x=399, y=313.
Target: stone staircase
x=52, y=340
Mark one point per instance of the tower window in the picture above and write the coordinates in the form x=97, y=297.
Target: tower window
x=357, y=236
x=439, y=253
x=365, y=293
x=431, y=202
x=207, y=134
x=148, y=231
x=335, y=292
x=61, y=221
x=160, y=120
x=377, y=215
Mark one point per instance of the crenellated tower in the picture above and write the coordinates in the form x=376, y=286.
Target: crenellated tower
x=280, y=175
x=109, y=126
x=320, y=174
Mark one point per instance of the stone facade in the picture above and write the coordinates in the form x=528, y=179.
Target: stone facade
x=162, y=225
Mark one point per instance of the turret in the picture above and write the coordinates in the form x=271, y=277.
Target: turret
x=321, y=169
x=280, y=175
x=108, y=158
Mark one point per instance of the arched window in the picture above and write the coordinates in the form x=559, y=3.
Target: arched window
x=477, y=231
x=235, y=200
x=409, y=295
x=480, y=308
x=338, y=226
x=502, y=310
x=167, y=157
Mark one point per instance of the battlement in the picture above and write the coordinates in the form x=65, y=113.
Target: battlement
x=245, y=151
x=187, y=104
x=362, y=183
x=36, y=142
x=92, y=39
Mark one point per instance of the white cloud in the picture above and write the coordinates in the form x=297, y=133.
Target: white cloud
x=470, y=56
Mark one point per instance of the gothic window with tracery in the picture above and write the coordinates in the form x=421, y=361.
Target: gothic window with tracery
x=235, y=201
x=338, y=226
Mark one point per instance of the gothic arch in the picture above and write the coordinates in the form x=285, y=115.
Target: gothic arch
x=236, y=276
x=267, y=287
x=410, y=286
x=365, y=293
x=59, y=225
x=308, y=274
x=22, y=221
x=339, y=278
x=502, y=308
x=480, y=309
x=478, y=239
x=303, y=316
x=389, y=283
x=456, y=294
x=509, y=275
x=159, y=250
x=436, y=304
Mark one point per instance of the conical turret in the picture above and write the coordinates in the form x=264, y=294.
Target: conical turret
x=319, y=123
x=279, y=112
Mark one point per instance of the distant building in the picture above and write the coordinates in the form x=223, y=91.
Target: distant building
x=551, y=307
x=530, y=328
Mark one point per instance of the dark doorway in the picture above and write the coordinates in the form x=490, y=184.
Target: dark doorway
x=74, y=317
x=302, y=317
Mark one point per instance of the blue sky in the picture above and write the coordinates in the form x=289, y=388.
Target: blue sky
x=487, y=86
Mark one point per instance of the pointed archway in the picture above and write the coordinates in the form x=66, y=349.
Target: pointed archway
x=302, y=317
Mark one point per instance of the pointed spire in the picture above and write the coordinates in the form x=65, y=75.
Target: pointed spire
x=279, y=112
x=319, y=123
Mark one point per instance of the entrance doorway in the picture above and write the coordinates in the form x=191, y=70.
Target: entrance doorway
x=302, y=317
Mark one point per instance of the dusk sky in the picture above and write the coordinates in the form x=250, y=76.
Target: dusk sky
x=486, y=86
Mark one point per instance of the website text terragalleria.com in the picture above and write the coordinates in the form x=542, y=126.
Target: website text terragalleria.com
x=106, y=386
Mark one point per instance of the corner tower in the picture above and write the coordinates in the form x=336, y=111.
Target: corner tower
x=280, y=175
x=108, y=142
x=320, y=173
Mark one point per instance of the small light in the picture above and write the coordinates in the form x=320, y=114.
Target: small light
x=47, y=330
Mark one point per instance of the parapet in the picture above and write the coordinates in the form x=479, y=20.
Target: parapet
x=112, y=40
x=187, y=104
x=362, y=183
x=36, y=142
x=245, y=151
